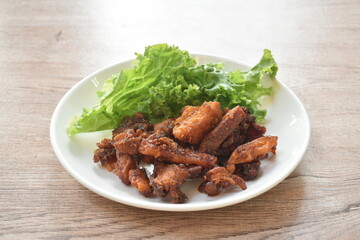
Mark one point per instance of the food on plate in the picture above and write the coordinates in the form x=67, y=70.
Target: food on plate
x=192, y=127
x=140, y=181
x=248, y=171
x=229, y=122
x=168, y=178
x=164, y=79
x=169, y=149
x=135, y=122
x=257, y=149
x=106, y=154
x=218, y=178
x=227, y=152
x=125, y=163
x=188, y=121
x=164, y=128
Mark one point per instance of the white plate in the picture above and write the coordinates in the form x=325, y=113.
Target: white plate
x=286, y=119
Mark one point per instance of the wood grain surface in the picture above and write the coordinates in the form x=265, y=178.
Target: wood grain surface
x=47, y=46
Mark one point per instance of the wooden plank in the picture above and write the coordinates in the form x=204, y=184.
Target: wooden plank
x=48, y=46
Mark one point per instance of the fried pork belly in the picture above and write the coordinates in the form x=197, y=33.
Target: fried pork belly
x=125, y=163
x=194, y=124
x=105, y=154
x=211, y=142
x=219, y=178
x=146, y=159
x=136, y=122
x=237, y=137
x=248, y=171
x=140, y=180
x=129, y=141
x=254, y=150
x=194, y=171
x=167, y=179
x=186, y=112
x=189, y=147
x=165, y=128
x=167, y=149
x=254, y=131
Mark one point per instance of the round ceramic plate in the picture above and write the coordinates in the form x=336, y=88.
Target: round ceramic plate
x=286, y=119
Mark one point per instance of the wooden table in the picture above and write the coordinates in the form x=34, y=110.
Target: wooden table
x=48, y=46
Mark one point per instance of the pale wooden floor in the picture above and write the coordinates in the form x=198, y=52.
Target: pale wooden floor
x=48, y=46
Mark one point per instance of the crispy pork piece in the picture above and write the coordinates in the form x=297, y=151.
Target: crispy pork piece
x=223, y=148
x=167, y=149
x=194, y=171
x=192, y=126
x=129, y=141
x=254, y=150
x=146, y=159
x=125, y=162
x=237, y=137
x=254, y=131
x=105, y=154
x=186, y=112
x=167, y=179
x=218, y=178
x=229, y=122
x=248, y=171
x=136, y=122
x=165, y=128
x=140, y=180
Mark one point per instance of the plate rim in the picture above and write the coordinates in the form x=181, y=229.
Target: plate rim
x=166, y=206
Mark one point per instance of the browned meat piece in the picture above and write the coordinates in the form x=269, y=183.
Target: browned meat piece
x=195, y=145
x=194, y=171
x=167, y=149
x=136, y=122
x=193, y=127
x=167, y=179
x=106, y=154
x=164, y=129
x=128, y=141
x=237, y=137
x=228, y=123
x=254, y=131
x=147, y=159
x=140, y=180
x=248, y=171
x=217, y=178
x=186, y=112
x=251, y=151
x=185, y=144
x=137, y=157
x=249, y=117
x=124, y=164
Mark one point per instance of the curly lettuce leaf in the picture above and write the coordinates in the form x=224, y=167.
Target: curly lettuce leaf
x=252, y=84
x=164, y=80
x=128, y=92
x=235, y=88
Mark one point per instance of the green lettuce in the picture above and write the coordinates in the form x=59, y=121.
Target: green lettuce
x=164, y=80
